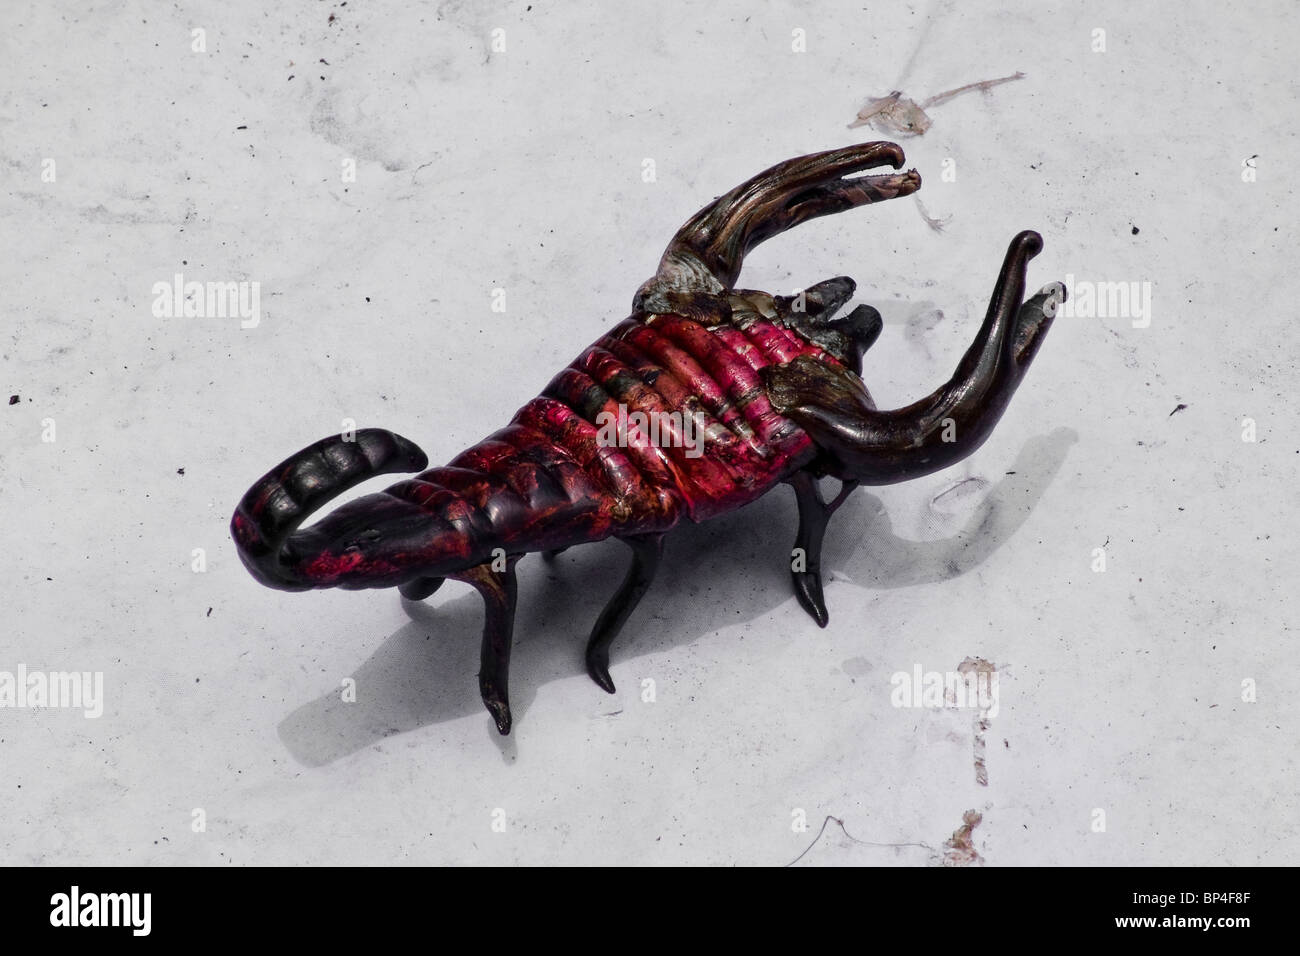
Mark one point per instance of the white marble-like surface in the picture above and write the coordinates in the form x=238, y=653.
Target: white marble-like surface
x=1119, y=691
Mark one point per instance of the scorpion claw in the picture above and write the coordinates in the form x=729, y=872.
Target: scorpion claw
x=706, y=255
x=1033, y=320
x=859, y=442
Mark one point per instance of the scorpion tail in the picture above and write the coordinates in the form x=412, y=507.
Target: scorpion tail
x=706, y=255
x=278, y=503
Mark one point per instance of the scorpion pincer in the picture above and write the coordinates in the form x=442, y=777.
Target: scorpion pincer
x=772, y=382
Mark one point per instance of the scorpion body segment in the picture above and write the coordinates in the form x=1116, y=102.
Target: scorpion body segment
x=701, y=401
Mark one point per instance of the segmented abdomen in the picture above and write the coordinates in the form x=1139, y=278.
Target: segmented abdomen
x=548, y=480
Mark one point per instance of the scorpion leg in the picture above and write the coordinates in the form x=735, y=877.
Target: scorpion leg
x=499, y=591
x=814, y=515
x=647, y=550
x=420, y=588
x=858, y=442
x=806, y=568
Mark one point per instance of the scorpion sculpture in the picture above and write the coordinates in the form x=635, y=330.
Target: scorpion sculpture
x=772, y=381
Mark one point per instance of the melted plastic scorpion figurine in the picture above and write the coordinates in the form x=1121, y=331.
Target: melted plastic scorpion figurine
x=771, y=383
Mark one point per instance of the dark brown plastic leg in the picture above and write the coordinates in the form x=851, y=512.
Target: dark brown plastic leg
x=806, y=563
x=499, y=592
x=647, y=550
x=420, y=588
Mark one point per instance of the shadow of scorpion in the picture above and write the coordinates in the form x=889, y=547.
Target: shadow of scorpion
x=772, y=383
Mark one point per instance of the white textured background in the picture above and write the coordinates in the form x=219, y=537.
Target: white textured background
x=1119, y=691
